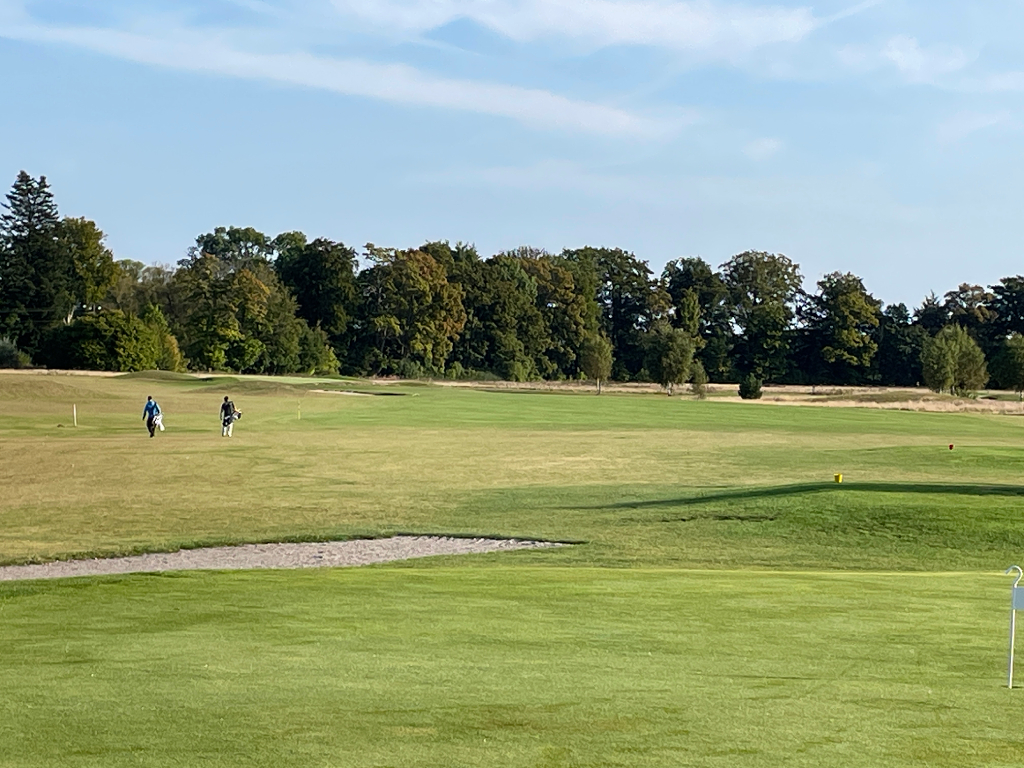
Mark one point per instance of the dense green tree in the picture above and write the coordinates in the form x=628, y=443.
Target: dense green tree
x=167, y=356
x=629, y=299
x=95, y=272
x=1008, y=306
x=669, y=354
x=322, y=276
x=843, y=316
x=953, y=360
x=517, y=328
x=504, y=331
x=409, y=312
x=471, y=349
x=971, y=368
x=235, y=248
x=208, y=326
x=932, y=315
x=585, y=284
x=750, y=387
x=565, y=313
x=972, y=308
x=698, y=298
x=235, y=312
x=762, y=290
x=316, y=356
x=596, y=358
x=137, y=286
x=1008, y=365
x=37, y=273
x=103, y=341
x=692, y=278
x=969, y=306
x=900, y=341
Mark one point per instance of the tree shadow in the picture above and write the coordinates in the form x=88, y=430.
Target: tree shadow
x=797, y=489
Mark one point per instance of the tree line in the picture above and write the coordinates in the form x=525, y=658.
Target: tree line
x=246, y=302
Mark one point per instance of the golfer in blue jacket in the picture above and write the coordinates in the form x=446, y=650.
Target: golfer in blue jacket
x=149, y=413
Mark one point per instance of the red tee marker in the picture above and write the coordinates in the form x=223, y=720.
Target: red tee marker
x=951, y=446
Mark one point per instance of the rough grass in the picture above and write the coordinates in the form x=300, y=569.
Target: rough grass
x=642, y=480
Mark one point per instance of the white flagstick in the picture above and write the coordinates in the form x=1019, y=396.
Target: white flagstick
x=74, y=413
x=1016, y=601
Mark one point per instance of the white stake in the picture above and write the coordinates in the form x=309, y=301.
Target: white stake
x=74, y=413
x=1016, y=601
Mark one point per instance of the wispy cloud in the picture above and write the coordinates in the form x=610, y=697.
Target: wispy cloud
x=923, y=65
x=853, y=10
x=762, y=149
x=722, y=29
x=963, y=124
x=1003, y=81
x=917, y=64
x=399, y=83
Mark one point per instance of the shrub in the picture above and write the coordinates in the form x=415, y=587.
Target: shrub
x=107, y=341
x=698, y=380
x=316, y=356
x=750, y=387
x=409, y=369
x=10, y=356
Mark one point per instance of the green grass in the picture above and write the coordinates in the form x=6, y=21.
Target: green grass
x=727, y=604
x=508, y=667
x=643, y=480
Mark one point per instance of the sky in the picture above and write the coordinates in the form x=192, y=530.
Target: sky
x=882, y=138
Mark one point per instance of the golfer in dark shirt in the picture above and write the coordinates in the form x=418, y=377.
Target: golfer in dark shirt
x=227, y=417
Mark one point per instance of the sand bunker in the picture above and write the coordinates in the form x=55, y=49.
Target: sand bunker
x=329, y=554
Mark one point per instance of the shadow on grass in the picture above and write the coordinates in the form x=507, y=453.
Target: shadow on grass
x=798, y=489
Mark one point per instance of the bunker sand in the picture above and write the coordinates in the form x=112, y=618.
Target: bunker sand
x=328, y=554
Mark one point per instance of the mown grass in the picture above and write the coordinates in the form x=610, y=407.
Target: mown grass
x=507, y=666
x=643, y=480
x=727, y=605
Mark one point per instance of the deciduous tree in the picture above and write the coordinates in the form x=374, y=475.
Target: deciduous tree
x=322, y=276
x=410, y=310
x=630, y=300
x=1008, y=365
x=843, y=317
x=95, y=272
x=953, y=360
x=762, y=289
x=669, y=354
x=596, y=358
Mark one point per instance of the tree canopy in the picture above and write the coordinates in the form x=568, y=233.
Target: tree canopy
x=243, y=300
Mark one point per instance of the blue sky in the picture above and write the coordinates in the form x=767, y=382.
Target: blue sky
x=882, y=138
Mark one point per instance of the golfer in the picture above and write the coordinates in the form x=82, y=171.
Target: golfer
x=228, y=416
x=150, y=413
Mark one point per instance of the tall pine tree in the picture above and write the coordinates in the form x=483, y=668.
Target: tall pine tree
x=37, y=273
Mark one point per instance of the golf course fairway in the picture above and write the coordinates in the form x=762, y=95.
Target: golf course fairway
x=723, y=603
